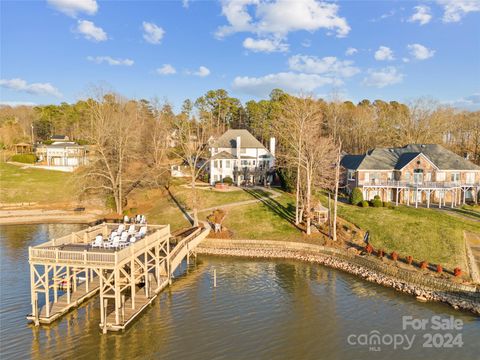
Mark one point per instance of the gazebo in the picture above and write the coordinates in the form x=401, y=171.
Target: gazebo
x=23, y=148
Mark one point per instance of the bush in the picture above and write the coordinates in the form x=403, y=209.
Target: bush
x=391, y=205
x=364, y=203
x=394, y=256
x=377, y=197
x=377, y=202
x=423, y=265
x=228, y=180
x=356, y=197
x=409, y=260
x=457, y=271
x=25, y=158
x=110, y=202
x=369, y=249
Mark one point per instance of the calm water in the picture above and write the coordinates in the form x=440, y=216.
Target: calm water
x=260, y=310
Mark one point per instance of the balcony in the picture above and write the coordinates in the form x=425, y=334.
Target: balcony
x=422, y=184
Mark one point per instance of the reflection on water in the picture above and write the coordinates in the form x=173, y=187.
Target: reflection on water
x=260, y=310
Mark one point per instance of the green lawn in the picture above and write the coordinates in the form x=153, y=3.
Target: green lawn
x=425, y=234
x=34, y=185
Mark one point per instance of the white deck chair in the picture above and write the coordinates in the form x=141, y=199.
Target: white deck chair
x=120, y=229
x=142, y=232
x=131, y=229
x=113, y=234
x=98, y=241
x=114, y=243
x=143, y=219
x=126, y=219
x=124, y=239
x=137, y=218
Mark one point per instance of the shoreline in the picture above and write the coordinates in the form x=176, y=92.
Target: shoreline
x=283, y=250
x=42, y=216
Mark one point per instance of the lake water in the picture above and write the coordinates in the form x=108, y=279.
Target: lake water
x=260, y=310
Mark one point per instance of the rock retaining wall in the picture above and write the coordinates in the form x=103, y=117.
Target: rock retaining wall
x=459, y=296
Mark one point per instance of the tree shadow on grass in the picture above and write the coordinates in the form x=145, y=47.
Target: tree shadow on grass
x=285, y=212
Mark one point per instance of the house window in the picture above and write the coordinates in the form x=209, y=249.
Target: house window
x=227, y=164
x=351, y=175
x=455, y=177
x=470, y=178
x=440, y=176
x=390, y=176
x=243, y=150
x=253, y=162
x=407, y=176
x=428, y=176
x=220, y=163
x=367, y=177
x=244, y=162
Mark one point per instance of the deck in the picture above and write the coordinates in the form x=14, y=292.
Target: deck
x=127, y=279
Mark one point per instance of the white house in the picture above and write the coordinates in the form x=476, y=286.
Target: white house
x=62, y=154
x=239, y=155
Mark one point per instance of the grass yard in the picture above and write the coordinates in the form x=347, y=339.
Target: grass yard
x=269, y=221
x=472, y=211
x=34, y=185
x=425, y=234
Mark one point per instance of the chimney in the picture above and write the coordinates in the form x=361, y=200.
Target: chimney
x=238, y=143
x=272, y=146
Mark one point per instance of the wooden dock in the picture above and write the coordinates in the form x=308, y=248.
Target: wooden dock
x=127, y=279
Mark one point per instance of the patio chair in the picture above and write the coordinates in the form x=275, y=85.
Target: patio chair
x=137, y=218
x=131, y=229
x=98, y=241
x=126, y=219
x=141, y=234
x=114, y=243
x=120, y=229
x=113, y=234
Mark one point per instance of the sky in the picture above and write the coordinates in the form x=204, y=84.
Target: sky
x=57, y=51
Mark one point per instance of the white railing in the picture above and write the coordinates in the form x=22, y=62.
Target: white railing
x=412, y=184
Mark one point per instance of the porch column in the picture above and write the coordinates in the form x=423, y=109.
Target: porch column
x=408, y=197
x=428, y=198
x=464, y=195
x=396, y=197
x=416, y=198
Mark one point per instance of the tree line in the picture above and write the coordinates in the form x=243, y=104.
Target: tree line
x=133, y=142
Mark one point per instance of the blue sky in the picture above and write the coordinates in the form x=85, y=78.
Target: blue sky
x=57, y=50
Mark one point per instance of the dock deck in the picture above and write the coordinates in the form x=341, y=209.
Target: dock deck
x=127, y=279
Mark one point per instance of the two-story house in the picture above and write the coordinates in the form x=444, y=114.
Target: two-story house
x=239, y=155
x=413, y=174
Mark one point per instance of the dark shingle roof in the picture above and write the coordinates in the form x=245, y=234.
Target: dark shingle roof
x=397, y=158
x=229, y=140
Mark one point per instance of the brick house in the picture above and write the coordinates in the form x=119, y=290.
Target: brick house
x=413, y=174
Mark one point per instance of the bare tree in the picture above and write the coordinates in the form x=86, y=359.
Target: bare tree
x=115, y=132
x=192, y=138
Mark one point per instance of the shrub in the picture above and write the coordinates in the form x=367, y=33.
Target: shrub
x=356, y=197
x=228, y=180
x=381, y=253
x=110, y=202
x=423, y=265
x=377, y=197
x=364, y=203
x=25, y=158
x=377, y=202
x=439, y=268
x=385, y=204
x=409, y=260
x=391, y=205
x=457, y=271
x=394, y=255
x=369, y=249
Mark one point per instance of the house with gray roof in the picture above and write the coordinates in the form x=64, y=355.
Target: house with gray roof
x=237, y=154
x=413, y=174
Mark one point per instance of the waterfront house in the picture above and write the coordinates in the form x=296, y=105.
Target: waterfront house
x=237, y=154
x=413, y=174
x=62, y=154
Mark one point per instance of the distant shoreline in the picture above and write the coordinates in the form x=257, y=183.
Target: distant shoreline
x=41, y=216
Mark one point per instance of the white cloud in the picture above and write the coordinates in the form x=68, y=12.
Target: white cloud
x=33, y=88
x=265, y=45
x=384, y=53
x=280, y=17
x=329, y=65
x=383, y=77
x=166, y=69
x=90, y=31
x=288, y=81
x=202, y=71
x=420, y=52
x=455, y=10
x=185, y=4
x=406, y=60
x=110, y=61
x=152, y=33
x=422, y=15
x=471, y=102
x=306, y=43
x=351, y=51
x=73, y=7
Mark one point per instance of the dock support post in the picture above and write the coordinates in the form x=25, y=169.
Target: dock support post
x=55, y=285
x=103, y=315
x=169, y=274
x=68, y=285
x=132, y=282
x=33, y=293
x=214, y=278
x=117, y=295
x=123, y=309
x=87, y=280
x=47, y=291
